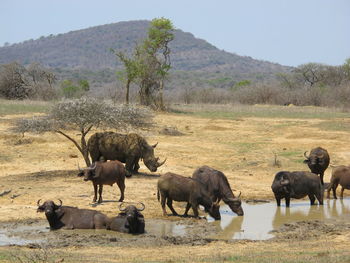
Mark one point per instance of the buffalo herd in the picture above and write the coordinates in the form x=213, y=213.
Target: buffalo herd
x=207, y=186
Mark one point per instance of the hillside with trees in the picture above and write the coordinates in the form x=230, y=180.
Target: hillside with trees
x=89, y=51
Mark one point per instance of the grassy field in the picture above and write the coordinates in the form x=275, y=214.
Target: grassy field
x=9, y=107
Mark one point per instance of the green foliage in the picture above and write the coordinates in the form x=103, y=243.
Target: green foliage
x=71, y=89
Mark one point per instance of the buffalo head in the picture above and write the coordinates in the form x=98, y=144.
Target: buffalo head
x=134, y=219
x=236, y=205
x=88, y=172
x=214, y=210
x=149, y=159
x=48, y=207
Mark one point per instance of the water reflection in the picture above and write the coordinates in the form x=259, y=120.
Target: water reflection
x=260, y=219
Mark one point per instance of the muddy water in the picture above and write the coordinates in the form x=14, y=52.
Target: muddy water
x=261, y=218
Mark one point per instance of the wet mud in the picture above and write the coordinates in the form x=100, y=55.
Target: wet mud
x=262, y=221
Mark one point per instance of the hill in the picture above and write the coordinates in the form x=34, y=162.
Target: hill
x=88, y=50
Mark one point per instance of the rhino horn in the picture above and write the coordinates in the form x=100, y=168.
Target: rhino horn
x=239, y=194
x=160, y=164
x=155, y=145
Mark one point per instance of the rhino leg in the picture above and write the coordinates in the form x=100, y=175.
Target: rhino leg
x=136, y=165
x=130, y=165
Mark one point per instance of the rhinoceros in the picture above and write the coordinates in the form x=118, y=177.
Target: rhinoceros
x=126, y=148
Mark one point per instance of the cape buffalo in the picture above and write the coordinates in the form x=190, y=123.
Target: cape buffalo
x=130, y=220
x=72, y=217
x=128, y=149
x=318, y=161
x=185, y=189
x=340, y=175
x=297, y=185
x=105, y=173
x=218, y=187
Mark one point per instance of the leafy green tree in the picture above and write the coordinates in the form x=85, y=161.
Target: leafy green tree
x=150, y=63
x=71, y=89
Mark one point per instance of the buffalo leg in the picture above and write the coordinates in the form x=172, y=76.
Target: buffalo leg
x=287, y=201
x=170, y=205
x=162, y=202
x=121, y=185
x=95, y=193
x=188, y=206
x=100, y=189
x=312, y=199
x=319, y=197
x=195, y=210
x=334, y=188
x=342, y=192
x=278, y=200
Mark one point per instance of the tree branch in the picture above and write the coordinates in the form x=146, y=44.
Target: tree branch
x=71, y=139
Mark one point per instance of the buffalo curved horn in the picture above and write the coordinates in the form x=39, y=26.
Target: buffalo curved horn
x=38, y=203
x=120, y=207
x=93, y=166
x=155, y=145
x=142, y=208
x=60, y=203
x=305, y=155
x=160, y=164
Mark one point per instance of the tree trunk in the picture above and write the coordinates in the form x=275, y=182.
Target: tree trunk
x=127, y=91
x=160, y=99
x=85, y=151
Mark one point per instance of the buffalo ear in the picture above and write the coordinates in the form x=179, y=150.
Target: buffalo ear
x=305, y=161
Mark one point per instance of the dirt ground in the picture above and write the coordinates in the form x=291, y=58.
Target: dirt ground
x=248, y=150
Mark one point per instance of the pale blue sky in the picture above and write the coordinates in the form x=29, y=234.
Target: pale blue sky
x=287, y=32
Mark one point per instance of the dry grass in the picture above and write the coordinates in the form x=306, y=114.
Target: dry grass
x=243, y=146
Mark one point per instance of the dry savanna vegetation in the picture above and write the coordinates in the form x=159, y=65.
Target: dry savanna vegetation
x=248, y=143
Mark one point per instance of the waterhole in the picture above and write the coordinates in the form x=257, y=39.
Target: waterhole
x=257, y=223
x=261, y=218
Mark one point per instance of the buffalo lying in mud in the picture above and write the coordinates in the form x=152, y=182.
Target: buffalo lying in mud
x=67, y=217
x=72, y=217
x=340, y=175
x=218, y=187
x=318, y=161
x=184, y=189
x=130, y=220
x=128, y=149
x=297, y=185
x=105, y=173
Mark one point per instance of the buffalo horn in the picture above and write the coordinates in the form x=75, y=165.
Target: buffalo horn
x=38, y=203
x=120, y=207
x=93, y=166
x=155, y=145
x=142, y=208
x=239, y=194
x=160, y=164
x=79, y=167
x=60, y=203
x=305, y=155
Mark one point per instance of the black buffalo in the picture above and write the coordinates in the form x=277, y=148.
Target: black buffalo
x=297, y=185
x=318, y=161
x=69, y=217
x=185, y=189
x=218, y=187
x=130, y=220
x=126, y=148
x=105, y=173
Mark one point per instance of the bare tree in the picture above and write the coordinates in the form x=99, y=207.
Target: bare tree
x=82, y=115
